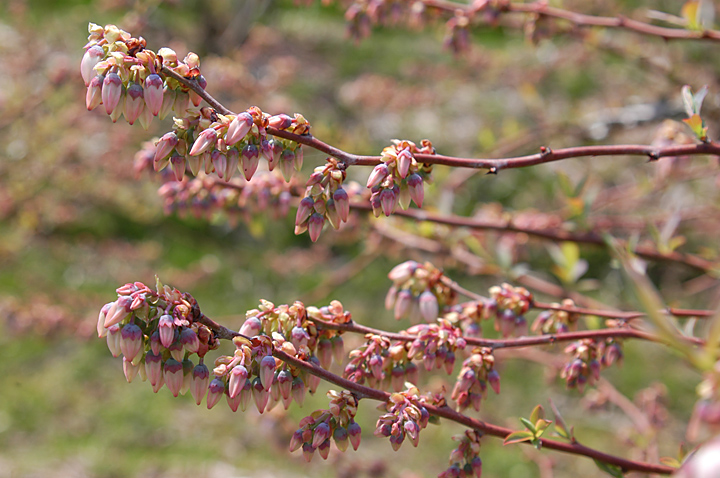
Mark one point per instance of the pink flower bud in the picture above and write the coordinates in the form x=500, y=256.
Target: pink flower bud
x=101, y=330
x=412, y=431
x=250, y=160
x=238, y=376
x=177, y=163
x=111, y=92
x=415, y=185
x=324, y=352
x=403, y=162
x=233, y=402
x=259, y=394
x=166, y=329
x=92, y=57
x=403, y=302
x=354, y=433
x=296, y=441
x=173, y=375
x=165, y=146
x=134, y=102
x=206, y=140
x=200, y=382
x=320, y=434
x=342, y=203
x=281, y=121
x=238, y=128
x=308, y=451
x=251, y=327
x=338, y=349
x=287, y=160
x=315, y=225
x=476, y=465
x=113, y=340
x=298, y=391
x=181, y=103
x=176, y=351
x=153, y=367
x=340, y=436
x=378, y=174
x=324, y=449
x=494, y=380
x=219, y=162
x=429, y=308
x=304, y=210
x=402, y=272
x=376, y=366
x=189, y=340
x=267, y=371
x=285, y=383
x=411, y=373
x=131, y=341
x=298, y=163
x=276, y=148
x=233, y=160
x=169, y=96
x=388, y=201
x=93, y=98
x=130, y=370
x=215, y=392
x=153, y=93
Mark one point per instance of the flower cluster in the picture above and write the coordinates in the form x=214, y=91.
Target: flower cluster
x=204, y=196
x=381, y=363
x=338, y=423
x=203, y=139
x=127, y=78
x=436, y=344
x=587, y=357
x=398, y=179
x=556, y=321
x=510, y=304
x=469, y=315
x=476, y=373
x=418, y=292
x=464, y=459
x=324, y=199
x=405, y=417
x=157, y=332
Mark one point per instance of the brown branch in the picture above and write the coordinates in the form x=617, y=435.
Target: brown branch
x=541, y=8
x=446, y=412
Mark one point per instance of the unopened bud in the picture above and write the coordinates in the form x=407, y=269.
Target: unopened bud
x=111, y=92
x=92, y=57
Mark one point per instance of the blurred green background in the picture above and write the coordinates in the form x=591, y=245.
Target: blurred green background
x=76, y=222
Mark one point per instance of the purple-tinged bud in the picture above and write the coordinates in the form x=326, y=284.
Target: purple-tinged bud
x=245, y=395
x=378, y=174
x=131, y=341
x=284, y=380
x=298, y=163
x=130, y=370
x=342, y=204
x=449, y=362
x=113, y=340
x=267, y=371
x=169, y=96
x=189, y=340
x=92, y=57
x=215, y=391
x=416, y=188
x=188, y=366
x=134, y=102
x=195, y=163
x=299, y=337
x=201, y=81
x=93, y=97
x=153, y=367
x=376, y=366
x=313, y=381
x=165, y=146
x=403, y=302
x=233, y=402
x=250, y=160
x=320, y=434
x=251, y=327
x=176, y=350
x=111, y=92
x=429, y=361
x=287, y=160
x=315, y=225
x=173, y=375
x=296, y=440
x=166, y=330
x=280, y=121
x=403, y=162
x=494, y=380
x=159, y=384
x=575, y=369
x=181, y=103
x=200, y=381
x=397, y=377
x=101, y=330
x=324, y=352
x=155, y=342
x=595, y=369
x=276, y=148
x=177, y=163
x=411, y=373
x=354, y=434
x=219, y=162
x=397, y=440
x=118, y=312
x=298, y=391
x=521, y=326
x=266, y=151
x=402, y=272
x=259, y=394
x=412, y=431
x=238, y=376
x=238, y=128
x=233, y=160
x=304, y=210
x=205, y=140
x=338, y=349
x=324, y=449
x=308, y=451
x=429, y=308
x=340, y=436
x=476, y=465
x=424, y=417
x=153, y=93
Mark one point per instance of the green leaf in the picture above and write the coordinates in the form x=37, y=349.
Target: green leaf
x=689, y=12
x=561, y=427
x=538, y=413
x=529, y=425
x=611, y=470
x=541, y=426
x=518, y=437
x=670, y=461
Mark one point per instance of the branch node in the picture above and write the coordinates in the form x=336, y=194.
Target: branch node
x=492, y=170
x=545, y=150
x=653, y=156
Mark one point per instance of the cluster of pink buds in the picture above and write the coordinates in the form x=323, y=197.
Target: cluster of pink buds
x=469, y=315
x=128, y=79
x=436, y=344
x=510, y=305
x=381, y=364
x=476, y=373
x=465, y=461
x=204, y=196
x=204, y=140
x=325, y=199
x=336, y=423
x=588, y=356
x=418, y=292
x=405, y=417
x=556, y=321
x=157, y=332
x=398, y=179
